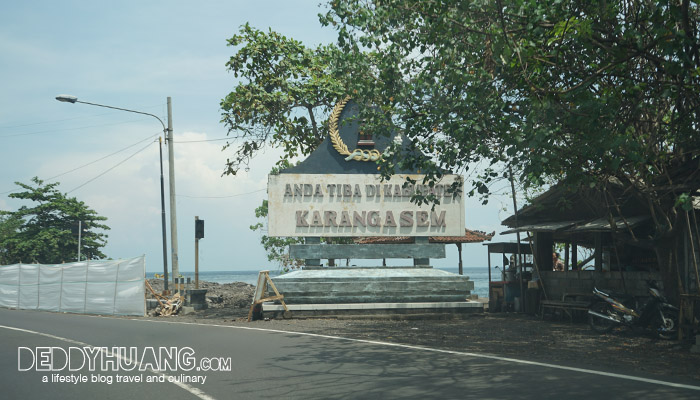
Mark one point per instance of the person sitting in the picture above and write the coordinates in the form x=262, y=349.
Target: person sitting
x=557, y=264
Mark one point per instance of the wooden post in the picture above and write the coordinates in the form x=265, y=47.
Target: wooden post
x=461, y=269
x=537, y=266
x=261, y=292
x=622, y=275
x=544, y=246
x=598, y=255
x=489, y=264
x=488, y=290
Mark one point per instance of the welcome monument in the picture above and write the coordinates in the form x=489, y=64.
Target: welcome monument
x=336, y=192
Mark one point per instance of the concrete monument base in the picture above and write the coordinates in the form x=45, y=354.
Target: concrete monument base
x=337, y=285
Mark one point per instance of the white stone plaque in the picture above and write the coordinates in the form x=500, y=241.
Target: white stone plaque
x=360, y=205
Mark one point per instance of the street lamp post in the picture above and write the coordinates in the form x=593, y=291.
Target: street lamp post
x=171, y=181
x=162, y=217
x=168, y=132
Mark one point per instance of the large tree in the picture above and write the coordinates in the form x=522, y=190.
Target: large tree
x=582, y=92
x=587, y=92
x=282, y=100
x=577, y=90
x=42, y=232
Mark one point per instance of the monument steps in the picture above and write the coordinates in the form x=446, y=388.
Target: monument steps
x=340, y=285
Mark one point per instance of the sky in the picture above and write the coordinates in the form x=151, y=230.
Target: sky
x=135, y=54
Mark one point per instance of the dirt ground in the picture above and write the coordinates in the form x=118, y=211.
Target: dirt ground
x=552, y=340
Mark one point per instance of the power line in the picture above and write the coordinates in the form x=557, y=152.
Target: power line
x=198, y=141
x=109, y=169
x=91, y=162
x=100, y=159
x=43, y=122
x=220, y=197
x=70, y=129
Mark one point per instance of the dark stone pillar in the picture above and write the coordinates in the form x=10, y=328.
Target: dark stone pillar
x=312, y=263
x=421, y=261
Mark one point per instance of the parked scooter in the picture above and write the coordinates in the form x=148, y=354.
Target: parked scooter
x=613, y=309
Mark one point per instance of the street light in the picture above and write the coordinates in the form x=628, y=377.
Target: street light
x=168, y=132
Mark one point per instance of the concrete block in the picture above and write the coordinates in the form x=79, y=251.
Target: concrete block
x=151, y=304
x=187, y=310
x=197, y=298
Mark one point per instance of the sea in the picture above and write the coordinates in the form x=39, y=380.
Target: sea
x=480, y=276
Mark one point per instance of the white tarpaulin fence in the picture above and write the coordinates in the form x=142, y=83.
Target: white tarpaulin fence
x=113, y=287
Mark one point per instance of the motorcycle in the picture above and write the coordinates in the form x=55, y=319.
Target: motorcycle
x=614, y=309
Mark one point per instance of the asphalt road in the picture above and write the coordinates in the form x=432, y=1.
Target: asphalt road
x=277, y=365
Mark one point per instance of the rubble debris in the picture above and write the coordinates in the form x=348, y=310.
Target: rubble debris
x=216, y=299
x=236, y=295
x=171, y=307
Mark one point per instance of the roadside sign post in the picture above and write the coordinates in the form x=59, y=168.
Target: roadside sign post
x=80, y=231
x=198, y=234
x=77, y=230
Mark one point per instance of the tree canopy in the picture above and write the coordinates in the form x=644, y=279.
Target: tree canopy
x=572, y=91
x=42, y=232
x=587, y=93
x=285, y=94
x=579, y=92
x=576, y=90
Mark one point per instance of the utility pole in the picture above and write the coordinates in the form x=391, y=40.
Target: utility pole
x=173, y=213
x=162, y=218
x=168, y=133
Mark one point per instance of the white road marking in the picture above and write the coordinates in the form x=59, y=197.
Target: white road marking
x=403, y=346
x=197, y=392
x=460, y=353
